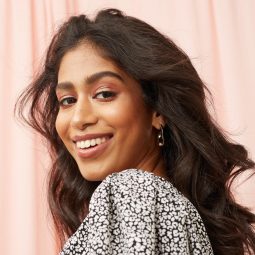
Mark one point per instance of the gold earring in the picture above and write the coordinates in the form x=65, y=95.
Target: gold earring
x=161, y=140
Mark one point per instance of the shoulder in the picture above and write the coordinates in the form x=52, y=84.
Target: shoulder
x=135, y=185
x=132, y=177
x=134, y=205
x=139, y=180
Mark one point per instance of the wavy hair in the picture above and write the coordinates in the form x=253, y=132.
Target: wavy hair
x=201, y=161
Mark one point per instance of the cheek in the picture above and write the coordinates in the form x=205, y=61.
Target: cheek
x=128, y=117
x=121, y=114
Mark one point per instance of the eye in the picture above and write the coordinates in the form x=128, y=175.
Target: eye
x=67, y=101
x=105, y=95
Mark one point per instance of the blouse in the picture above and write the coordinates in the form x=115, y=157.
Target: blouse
x=137, y=212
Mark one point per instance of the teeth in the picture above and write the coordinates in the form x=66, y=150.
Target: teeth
x=89, y=143
x=86, y=144
x=92, y=142
x=98, y=141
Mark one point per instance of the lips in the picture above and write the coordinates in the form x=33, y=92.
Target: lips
x=91, y=145
x=90, y=136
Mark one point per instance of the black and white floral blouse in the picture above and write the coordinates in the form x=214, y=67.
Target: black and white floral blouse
x=137, y=212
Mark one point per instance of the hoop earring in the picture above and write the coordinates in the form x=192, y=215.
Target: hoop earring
x=161, y=140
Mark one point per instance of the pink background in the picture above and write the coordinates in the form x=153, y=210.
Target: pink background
x=218, y=35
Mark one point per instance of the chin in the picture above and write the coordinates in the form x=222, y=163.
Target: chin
x=95, y=174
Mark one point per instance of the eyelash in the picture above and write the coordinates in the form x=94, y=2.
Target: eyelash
x=108, y=94
x=62, y=101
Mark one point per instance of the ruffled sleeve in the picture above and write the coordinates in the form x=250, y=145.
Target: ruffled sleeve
x=136, y=212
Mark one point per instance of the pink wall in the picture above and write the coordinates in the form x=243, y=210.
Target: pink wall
x=218, y=35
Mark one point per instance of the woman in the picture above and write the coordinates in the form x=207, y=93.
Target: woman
x=124, y=112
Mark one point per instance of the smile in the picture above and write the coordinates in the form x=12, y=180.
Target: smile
x=92, y=146
x=91, y=143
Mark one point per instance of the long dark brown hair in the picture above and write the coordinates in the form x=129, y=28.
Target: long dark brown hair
x=201, y=161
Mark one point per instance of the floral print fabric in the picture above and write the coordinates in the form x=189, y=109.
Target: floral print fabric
x=137, y=212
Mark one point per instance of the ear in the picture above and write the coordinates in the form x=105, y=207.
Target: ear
x=158, y=120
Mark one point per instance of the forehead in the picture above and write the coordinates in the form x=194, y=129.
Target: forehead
x=85, y=64
x=87, y=59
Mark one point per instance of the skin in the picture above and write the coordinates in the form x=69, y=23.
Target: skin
x=106, y=104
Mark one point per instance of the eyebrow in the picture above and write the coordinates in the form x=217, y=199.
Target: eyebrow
x=90, y=79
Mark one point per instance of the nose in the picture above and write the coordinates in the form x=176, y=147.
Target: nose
x=83, y=114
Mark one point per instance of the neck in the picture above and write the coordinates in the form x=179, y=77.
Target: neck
x=154, y=162
x=160, y=169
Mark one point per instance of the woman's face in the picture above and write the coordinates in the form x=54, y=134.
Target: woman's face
x=102, y=119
